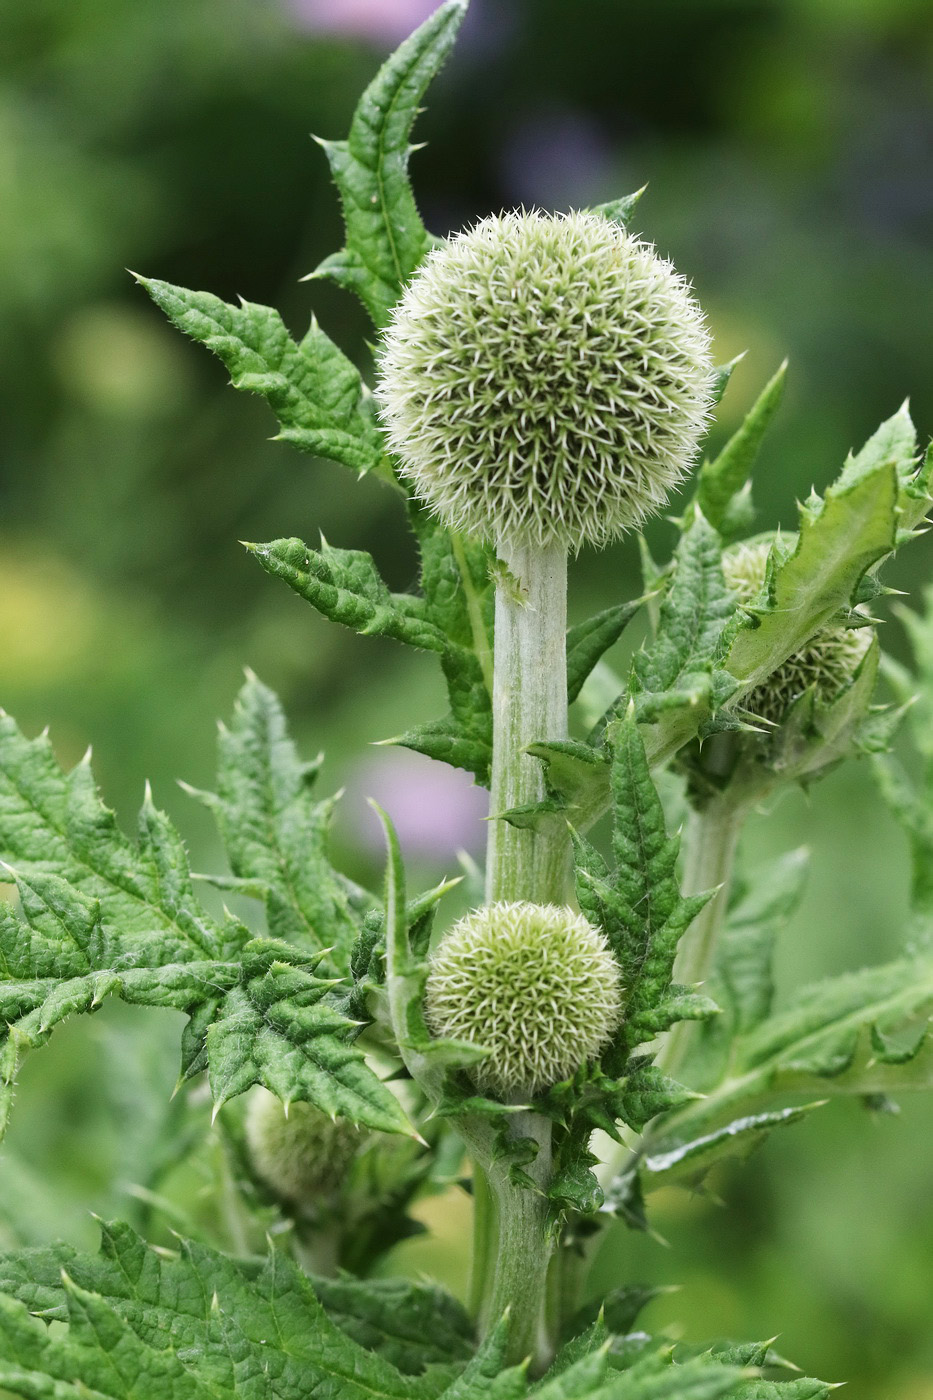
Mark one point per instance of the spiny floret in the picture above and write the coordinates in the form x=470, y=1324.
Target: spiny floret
x=829, y=660
x=304, y=1156
x=546, y=378
x=535, y=984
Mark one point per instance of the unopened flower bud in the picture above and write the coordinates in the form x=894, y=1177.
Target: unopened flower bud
x=827, y=662
x=304, y=1156
x=535, y=984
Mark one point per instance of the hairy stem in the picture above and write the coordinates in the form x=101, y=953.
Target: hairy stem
x=709, y=855
x=523, y=1249
x=529, y=703
x=512, y=1236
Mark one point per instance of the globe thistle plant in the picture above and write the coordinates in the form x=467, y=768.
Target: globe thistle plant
x=826, y=664
x=535, y=984
x=545, y=379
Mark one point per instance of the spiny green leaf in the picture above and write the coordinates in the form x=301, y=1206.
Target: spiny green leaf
x=695, y=609
x=277, y=1028
x=640, y=907
x=411, y=1325
x=386, y=239
x=665, y=1163
x=345, y=586
x=459, y=602
x=53, y=822
x=192, y=1327
x=859, y=1033
x=314, y=391
x=103, y=917
x=587, y=642
x=722, y=480
x=894, y=443
x=275, y=833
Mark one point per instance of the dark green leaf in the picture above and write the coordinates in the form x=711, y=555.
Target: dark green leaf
x=386, y=239
x=345, y=586
x=587, y=642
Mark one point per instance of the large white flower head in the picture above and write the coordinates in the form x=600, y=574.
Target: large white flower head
x=535, y=984
x=546, y=378
x=828, y=661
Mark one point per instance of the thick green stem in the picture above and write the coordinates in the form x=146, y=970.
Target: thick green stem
x=710, y=844
x=523, y=1248
x=484, y=1238
x=512, y=1236
x=529, y=703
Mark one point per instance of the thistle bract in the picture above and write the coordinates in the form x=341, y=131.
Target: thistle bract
x=304, y=1156
x=545, y=378
x=535, y=984
x=827, y=663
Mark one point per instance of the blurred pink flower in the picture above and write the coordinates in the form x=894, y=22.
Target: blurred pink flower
x=437, y=811
x=382, y=21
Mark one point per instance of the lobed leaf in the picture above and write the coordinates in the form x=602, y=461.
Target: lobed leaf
x=346, y=587
x=275, y=834
x=100, y=917
x=314, y=391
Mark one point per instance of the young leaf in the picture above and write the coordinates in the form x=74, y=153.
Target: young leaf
x=619, y=211
x=346, y=587
x=693, y=614
x=386, y=239
x=721, y=481
x=459, y=602
x=312, y=388
x=587, y=642
x=274, y=832
x=428, y=1060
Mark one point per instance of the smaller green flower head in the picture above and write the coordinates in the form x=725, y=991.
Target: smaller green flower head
x=546, y=379
x=827, y=663
x=535, y=984
x=304, y=1156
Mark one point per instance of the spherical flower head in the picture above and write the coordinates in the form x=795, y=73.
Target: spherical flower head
x=827, y=662
x=304, y=1156
x=546, y=379
x=535, y=984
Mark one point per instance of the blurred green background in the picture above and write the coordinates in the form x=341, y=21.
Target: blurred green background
x=789, y=149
